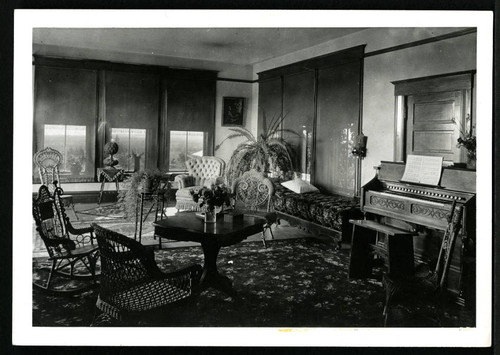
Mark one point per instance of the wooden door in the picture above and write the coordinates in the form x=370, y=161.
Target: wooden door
x=434, y=122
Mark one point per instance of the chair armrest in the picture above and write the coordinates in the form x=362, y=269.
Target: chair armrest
x=185, y=278
x=184, y=181
x=67, y=244
x=81, y=236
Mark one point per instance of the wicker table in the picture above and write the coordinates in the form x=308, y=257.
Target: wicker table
x=187, y=226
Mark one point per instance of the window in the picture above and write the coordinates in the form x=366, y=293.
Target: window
x=131, y=147
x=183, y=146
x=70, y=141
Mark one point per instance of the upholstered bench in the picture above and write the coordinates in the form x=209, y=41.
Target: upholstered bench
x=320, y=213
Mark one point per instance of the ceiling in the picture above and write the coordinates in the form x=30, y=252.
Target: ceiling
x=219, y=46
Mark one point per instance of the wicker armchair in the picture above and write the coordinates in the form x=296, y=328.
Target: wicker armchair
x=132, y=285
x=428, y=288
x=202, y=171
x=252, y=194
x=48, y=161
x=71, y=250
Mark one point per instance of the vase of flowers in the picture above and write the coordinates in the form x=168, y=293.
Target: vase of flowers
x=212, y=199
x=467, y=140
x=469, y=143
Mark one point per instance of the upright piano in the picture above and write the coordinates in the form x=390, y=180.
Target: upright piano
x=423, y=211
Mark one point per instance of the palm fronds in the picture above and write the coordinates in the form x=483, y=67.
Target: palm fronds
x=267, y=153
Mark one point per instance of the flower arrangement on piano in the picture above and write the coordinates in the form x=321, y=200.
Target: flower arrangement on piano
x=467, y=139
x=213, y=196
x=469, y=143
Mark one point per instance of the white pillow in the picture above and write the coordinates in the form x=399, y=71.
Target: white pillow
x=299, y=186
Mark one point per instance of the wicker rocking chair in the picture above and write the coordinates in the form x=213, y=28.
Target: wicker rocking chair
x=71, y=250
x=428, y=288
x=252, y=196
x=132, y=285
x=48, y=161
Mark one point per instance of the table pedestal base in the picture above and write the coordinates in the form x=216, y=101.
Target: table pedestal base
x=211, y=276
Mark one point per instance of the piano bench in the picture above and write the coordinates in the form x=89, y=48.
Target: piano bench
x=399, y=246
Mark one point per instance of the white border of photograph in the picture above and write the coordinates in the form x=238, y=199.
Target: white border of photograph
x=23, y=331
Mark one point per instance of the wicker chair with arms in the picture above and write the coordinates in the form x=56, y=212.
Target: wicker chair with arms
x=48, y=161
x=252, y=194
x=71, y=250
x=201, y=171
x=430, y=287
x=132, y=285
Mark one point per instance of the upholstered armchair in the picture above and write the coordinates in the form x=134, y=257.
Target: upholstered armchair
x=202, y=171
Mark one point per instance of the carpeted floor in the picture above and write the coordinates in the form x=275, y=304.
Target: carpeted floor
x=291, y=283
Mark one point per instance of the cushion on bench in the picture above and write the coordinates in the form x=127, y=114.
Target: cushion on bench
x=324, y=209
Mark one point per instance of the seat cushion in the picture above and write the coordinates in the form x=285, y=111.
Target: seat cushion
x=147, y=296
x=184, y=199
x=323, y=209
x=185, y=193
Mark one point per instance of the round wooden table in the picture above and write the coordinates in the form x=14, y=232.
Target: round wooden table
x=186, y=226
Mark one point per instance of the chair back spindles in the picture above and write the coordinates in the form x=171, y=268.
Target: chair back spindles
x=253, y=191
x=49, y=215
x=48, y=162
x=67, y=247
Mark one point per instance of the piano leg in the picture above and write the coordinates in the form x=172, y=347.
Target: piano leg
x=400, y=255
x=361, y=259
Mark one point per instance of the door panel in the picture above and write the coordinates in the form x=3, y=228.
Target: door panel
x=432, y=128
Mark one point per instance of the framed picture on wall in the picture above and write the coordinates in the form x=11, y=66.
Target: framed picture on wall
x=232, y=111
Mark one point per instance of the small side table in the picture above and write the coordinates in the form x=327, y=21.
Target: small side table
x=158, y=196
x=109, y=175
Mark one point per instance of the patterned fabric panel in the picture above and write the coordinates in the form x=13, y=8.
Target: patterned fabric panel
x=316, y=207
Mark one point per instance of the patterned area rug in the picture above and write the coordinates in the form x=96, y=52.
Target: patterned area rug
x=291, y=283
x=104, y=212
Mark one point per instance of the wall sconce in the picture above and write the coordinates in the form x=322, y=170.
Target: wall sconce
x=359, y=146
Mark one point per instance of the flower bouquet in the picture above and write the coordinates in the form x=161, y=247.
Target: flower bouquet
x=210, y=198
x=467, y=140
x=469, y=143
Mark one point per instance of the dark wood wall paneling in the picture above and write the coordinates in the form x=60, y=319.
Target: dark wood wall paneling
x=338, y=116
x=323, y=93
x=125, y=95
x=298, y=105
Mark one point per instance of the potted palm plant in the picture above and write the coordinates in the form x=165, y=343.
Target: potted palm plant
x=268, y=153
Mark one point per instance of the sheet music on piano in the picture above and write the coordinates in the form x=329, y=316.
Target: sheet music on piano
x=423, y=169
